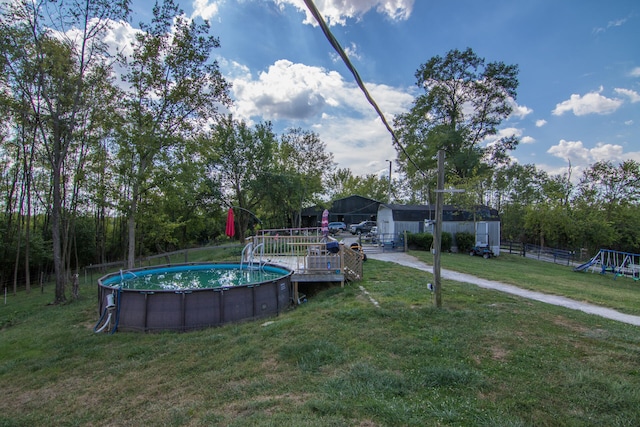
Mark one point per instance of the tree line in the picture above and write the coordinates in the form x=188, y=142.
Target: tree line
x=116, y=155
x=99, y=165
x=464, y=101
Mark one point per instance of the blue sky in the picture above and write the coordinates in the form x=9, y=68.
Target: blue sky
x=578, y=99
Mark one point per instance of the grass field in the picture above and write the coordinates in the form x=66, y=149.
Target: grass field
x=622, y=293
x=484, y=359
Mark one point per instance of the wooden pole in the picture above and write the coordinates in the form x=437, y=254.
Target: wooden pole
x=437, y=232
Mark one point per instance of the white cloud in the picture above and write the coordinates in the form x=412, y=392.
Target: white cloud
x=205, y=8
x=297, y=91
x=314, y=98
x=120, y=37
x=635, y=72
x=398, y=10
x=632, y=94
x=360, y=144
x=527, y=140
x=570, y=150
x=507, y=133
x=610, y=24
x=233, y=69
x=117, y=35
x=519, y=111
x=578, y=154
x=351, y=51
x=336, y=12
x=540, y=123
x=603, y=152
x=286, y=91
x=591, y=103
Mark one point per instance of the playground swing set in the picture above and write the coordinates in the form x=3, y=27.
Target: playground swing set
x=619, y=263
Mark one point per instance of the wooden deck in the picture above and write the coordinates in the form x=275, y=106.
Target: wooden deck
x=317, y=268
x=305, y=252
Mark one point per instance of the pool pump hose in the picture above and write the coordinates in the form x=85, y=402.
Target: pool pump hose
x=108, y=311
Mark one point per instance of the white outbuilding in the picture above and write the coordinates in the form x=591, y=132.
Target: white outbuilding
x=482, y=221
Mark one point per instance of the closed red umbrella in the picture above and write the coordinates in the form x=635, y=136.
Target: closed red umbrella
x=231, y=228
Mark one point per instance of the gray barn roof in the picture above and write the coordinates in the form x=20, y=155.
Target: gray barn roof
x=413, y=213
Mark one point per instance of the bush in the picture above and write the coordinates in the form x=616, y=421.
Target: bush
x=446, y=241
x=465, y=241
x=421, y=241
x=424, y=241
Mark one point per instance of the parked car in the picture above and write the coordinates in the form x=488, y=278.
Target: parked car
x=362, y=227
x=336, y=227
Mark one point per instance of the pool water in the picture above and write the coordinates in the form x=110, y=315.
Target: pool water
x=193, y=277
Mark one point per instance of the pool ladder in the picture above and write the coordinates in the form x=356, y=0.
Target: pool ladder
x=249, y=253
x=128, y=272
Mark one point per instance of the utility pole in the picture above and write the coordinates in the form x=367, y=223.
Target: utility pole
x=437, y=232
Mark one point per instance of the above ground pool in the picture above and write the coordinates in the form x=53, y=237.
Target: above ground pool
x=191, y=296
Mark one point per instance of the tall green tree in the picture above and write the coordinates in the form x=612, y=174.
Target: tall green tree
x=513, y=189
x=303, y=164
x=549, y=221
x=606, y=204
x=550, y=225
x=174, y=88
x=59, y=43
x=465, y=99
x=344, y=183
x=593, y=231
x=607, y=186
x=242, y=163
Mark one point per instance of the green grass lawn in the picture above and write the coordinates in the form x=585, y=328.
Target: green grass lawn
x=621, y=293
x=484, y=359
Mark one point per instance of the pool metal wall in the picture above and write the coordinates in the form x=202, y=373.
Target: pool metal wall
x=184, y=310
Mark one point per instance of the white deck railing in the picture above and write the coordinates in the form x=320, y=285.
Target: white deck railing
x=304, y=250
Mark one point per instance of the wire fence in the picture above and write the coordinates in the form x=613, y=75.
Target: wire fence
x=542, y=253
x=89, y=274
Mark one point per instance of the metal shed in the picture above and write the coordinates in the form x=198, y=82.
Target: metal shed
x=483, y=221
x=351, y=210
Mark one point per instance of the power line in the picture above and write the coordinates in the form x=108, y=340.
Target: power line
x=336, y=45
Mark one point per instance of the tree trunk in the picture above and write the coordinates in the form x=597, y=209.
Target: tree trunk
x=58, y=262
x=9, y=210
x=27, y=228
x=101, y=235
x=27, y=248
x=131, y=229
x=17, y=260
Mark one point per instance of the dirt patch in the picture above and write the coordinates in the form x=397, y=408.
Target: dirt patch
x=566, y=323
x=499, y=353
x=267, y=404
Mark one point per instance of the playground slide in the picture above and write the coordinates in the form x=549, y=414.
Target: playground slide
x=583, y=267
x=619, y=263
